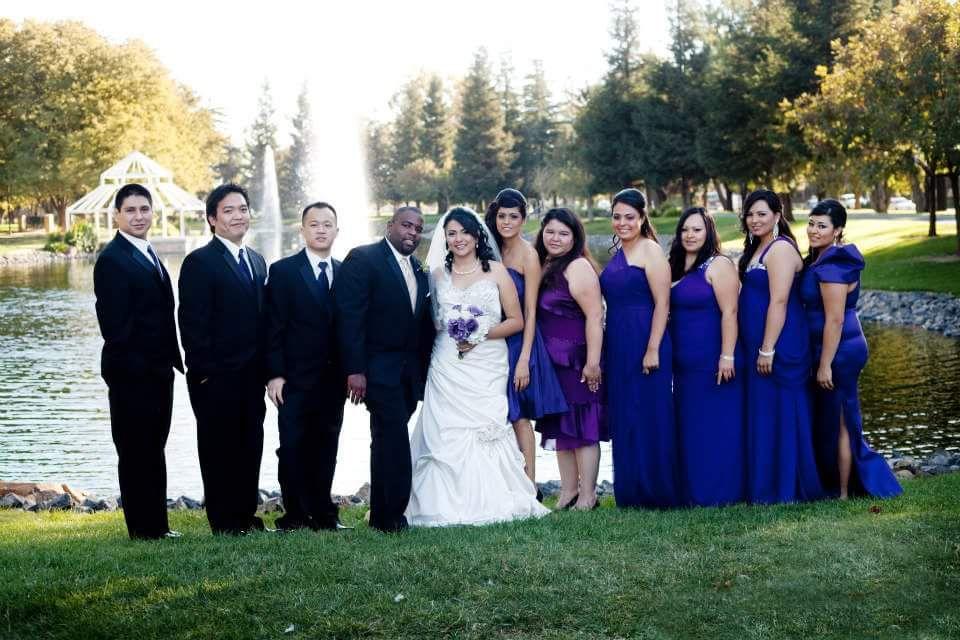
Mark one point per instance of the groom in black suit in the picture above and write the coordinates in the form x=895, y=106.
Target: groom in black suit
x=386, y=333
x=135, y=312
x=222, y=328
x=306, y=381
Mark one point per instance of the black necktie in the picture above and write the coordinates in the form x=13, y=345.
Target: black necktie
x=156, y=260
x=322, y=276
x=245, y=267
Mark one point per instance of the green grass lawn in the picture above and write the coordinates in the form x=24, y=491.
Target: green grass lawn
x=22, y=241
x=859, y=569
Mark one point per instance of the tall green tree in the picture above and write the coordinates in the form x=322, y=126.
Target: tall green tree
x=606, y=127
x=407, y=124
x=380, y=173
x=536, y=134
x=512, y=116
x=296, y=171
x=262, y=134
x=436, y=138
x=481, y=151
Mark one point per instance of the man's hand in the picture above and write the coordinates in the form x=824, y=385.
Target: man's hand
x=357, y=386
x=275, y=391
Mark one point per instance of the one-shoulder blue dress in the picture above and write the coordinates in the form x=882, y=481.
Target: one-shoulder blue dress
x=869, y=473
x=642, y=427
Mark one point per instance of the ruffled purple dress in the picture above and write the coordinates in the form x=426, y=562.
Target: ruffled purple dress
x=869, y=473
x=543, y=396
x=563, y=327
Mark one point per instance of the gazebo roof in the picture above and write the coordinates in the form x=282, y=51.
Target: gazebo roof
x=139, y=168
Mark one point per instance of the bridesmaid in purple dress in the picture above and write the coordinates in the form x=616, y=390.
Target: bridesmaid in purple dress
x=781, y=465
x=569, y=315
x=829, y=287
x=707, y=363
x=532, y=387
x=638, y=368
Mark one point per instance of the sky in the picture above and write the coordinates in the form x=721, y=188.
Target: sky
x=357, y=54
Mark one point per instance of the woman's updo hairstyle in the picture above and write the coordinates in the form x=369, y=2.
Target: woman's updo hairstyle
x=635, y=200
x=507, y=199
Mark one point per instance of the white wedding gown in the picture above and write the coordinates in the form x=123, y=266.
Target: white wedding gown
x=467, y=467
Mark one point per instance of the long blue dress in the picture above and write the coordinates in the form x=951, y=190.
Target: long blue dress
x=543, y=395
x=869, y=473
x=781, y=465
x=709, y=416
x=640, y=406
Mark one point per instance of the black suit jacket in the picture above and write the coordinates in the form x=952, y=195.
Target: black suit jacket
x=301, y=339
x=379, y=335
x=135, y=311
x=221, y=313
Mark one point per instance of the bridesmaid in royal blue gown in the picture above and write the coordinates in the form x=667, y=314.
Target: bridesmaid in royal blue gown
x=532, y=387
x=781, y=466
x=707, y=363
x=830, y=287
x=639, y=361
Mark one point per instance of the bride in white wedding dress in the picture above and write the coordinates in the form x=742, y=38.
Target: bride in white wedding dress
x=467, y=468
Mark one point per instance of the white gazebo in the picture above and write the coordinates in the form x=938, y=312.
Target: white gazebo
x=136, y=167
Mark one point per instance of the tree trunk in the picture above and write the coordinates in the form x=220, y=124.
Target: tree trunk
x=685, y=192
x=787, y=206
x=932, y=201
x=879, y=198
x=955, y=189
x=728, y=197
x=443, y=203
x=661, y=195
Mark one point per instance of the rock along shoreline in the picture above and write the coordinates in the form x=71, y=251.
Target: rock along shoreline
x=49, y=496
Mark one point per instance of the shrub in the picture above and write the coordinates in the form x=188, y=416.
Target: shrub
x=84, y=237
x=56, y=246
x=666, y=211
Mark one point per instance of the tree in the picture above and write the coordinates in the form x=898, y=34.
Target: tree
x=481, y=150
x=262, y=134
x=435, y=138
x=380, y=172
x=536, y=135
x=609, y=136
x=408, y=124
x=510, y=103
x=894, y=93
x=71, y=103
x=296, y=170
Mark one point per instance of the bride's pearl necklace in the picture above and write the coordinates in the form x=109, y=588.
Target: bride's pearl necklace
x=468, y=271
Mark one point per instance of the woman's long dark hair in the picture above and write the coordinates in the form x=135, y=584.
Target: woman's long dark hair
x=838, y=218
x=750, y=243
x=635, y=200
x=556, y=266
x=710, y=248
x=508, y=198
x=471, y=226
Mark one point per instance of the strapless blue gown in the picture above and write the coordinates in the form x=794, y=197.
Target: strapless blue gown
x=709, y=416
x=869, y=473
x=543, y=396
x=781, y=465
x=640, y=406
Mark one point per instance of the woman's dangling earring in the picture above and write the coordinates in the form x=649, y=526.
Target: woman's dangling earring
x=750, y=237
x=776, y=230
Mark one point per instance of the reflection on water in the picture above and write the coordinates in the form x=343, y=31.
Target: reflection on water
x=55, y=424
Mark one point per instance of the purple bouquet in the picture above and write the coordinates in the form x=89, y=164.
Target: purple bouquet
x=467, y=325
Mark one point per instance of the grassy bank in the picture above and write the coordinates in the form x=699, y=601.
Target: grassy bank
x=833, y=570
x=22, y=242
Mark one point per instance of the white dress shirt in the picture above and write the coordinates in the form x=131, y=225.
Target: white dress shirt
x=406, y=268
x=315, y=259
x=143, y=246
x=235, y=252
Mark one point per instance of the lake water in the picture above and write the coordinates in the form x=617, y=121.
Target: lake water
x=55, y=422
